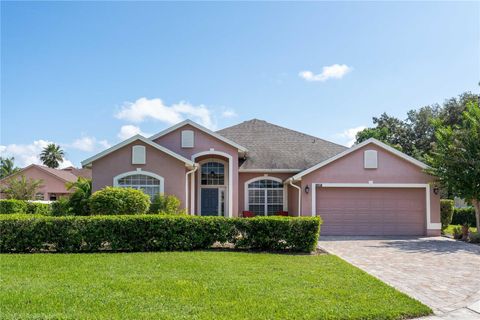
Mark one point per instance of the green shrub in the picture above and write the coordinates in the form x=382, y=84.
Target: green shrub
x=12, y=206
x=113, y=201
x=36, y=233
x=457, y=232
x=166, y=204
x=79, y=199
x=446, y=212
x=464, y=216
x=474, y=237
x=61, y=207
x=278, y=233
x=39, y=208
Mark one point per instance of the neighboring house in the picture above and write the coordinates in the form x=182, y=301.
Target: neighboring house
x=53, y=180
x=369, y=189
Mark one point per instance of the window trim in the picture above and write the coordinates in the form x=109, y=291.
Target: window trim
x=246, y=193
x=145, y=173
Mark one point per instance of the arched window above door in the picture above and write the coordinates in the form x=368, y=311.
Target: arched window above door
x=212, y=174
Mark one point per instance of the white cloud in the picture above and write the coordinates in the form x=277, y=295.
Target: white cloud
x=129, y=130
x=27, y=154
x=348, y=136
x=229, y=113
x=335, y=71
x=89, y=144
x=144, y=109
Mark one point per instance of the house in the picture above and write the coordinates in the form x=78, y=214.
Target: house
x=53, y=180
x=256, y=166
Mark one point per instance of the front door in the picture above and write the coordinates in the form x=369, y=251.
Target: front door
x=209, y=200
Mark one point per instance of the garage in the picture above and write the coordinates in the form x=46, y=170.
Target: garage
x=371, y=211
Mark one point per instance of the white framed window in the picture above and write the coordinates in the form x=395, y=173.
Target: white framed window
x=139, y=155
x=212, y=174
x=39, y=196
x=188, y=139
x=370, y=159
x=148, y=182
x=264, y=196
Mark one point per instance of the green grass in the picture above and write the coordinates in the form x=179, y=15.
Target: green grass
x=449, y=229
x=194, y=285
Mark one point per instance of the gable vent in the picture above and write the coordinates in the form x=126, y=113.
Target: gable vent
x=187, y=139
x=139, y=155
x=370, y=159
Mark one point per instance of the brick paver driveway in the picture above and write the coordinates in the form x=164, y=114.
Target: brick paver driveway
x=442, y=273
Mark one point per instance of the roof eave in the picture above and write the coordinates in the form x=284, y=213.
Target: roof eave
x=356, y=147
x=201, y=128
x=88, y=162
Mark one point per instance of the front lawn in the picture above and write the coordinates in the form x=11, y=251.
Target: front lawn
x=194, y=285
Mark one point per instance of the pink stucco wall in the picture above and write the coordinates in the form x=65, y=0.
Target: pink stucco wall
x=50, y=183
x=203, y=143
x=349, y=169
x=120, y=161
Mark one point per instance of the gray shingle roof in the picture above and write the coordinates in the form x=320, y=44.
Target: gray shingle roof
x=274, y=147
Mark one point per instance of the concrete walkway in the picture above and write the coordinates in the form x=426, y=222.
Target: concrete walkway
x=442, y=273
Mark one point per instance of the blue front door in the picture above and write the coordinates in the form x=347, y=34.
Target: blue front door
x=209, y=202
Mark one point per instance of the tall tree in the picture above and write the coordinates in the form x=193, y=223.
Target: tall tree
x=389, y=130
x=416, y=134
x=52, y=155
x=21, y=188
x=455, y=159
x=421, y=129
x=7, y=167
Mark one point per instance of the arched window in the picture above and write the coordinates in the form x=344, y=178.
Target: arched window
x=148, y=182
x=265, y=196
x=213, y=173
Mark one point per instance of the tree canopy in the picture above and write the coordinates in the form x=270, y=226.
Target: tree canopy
x=415, y=135
x=455, y=157
x=52, y=155
x=7, y=167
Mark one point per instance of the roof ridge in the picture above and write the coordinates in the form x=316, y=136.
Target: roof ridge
x=283, y=128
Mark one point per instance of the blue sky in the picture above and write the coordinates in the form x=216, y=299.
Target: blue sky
x=87, y=74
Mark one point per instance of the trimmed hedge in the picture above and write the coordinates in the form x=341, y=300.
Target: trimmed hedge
x=277, y=233
x=37, y=233
x=464, y=215
x=446, y=212
x=39, y=208
x=114, y=200
x=12, y=206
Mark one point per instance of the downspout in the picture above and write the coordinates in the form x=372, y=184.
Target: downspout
x=186, y=187
x=299, y=196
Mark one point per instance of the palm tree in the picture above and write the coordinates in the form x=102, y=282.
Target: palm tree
x=21, y=188
x=78, y=201
x=7, y=167
x=52, y=155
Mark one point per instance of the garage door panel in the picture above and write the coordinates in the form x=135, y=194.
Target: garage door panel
x=371, y=211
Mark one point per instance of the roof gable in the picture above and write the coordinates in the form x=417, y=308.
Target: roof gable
x=65, y=176
x=356, y=147
x=201, y=128
x=130, y=140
